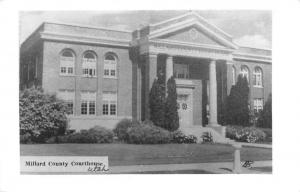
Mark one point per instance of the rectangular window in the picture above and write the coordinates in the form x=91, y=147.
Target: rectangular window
x=105, y=109
x=67, y=65
x=92, y=108
x=89, y=67
x=88, y=103
x=69, y=97
x=70, y=107
x=258, y=105
x=70, y=70
x=106, y=72
x=63, y=70
x=110, y=68
x=109, y=103
x=181, y=71
x=84, y=107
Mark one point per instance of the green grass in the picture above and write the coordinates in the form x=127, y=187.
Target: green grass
x=129, y=154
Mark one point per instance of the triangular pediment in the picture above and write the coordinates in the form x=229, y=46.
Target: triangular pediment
x=190, y=28
x=190, y=35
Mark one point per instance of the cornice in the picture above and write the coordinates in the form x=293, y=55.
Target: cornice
x=84, y=39
x=252, y=57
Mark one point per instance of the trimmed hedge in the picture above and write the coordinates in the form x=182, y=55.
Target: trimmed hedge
x=245, y=134
x=179, y=137
x=95, y=134
x=145, y=133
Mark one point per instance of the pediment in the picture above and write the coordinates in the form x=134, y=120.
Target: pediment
x=190, y=28
x=190, y=35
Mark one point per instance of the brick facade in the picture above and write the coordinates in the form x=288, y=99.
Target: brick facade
x=138, y=60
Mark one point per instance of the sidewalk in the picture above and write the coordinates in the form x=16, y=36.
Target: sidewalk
x=258, y=167
x=268, y=146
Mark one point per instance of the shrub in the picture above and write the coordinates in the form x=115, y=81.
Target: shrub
x=207, y=137
x=101, y=134
x=245, y=134
x=145, y=133
x=41, y=115
x=237, y=110
x=96, y=134
x=157, y=101
x=179, y=137
x=171, y=110
x=121, y=128
x=25, y=138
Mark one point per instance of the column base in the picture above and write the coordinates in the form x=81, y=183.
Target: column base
x=218, y=128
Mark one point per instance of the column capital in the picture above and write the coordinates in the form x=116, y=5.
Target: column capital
x=153, y=55
x=229, y=62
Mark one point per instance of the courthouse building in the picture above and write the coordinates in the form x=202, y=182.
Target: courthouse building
x=105, y=75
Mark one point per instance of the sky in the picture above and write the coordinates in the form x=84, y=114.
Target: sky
x=248, y=27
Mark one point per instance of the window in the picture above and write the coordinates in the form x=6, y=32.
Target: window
x=67, y=61
x=110, y=66
x=181, y=71
x=109, y=106
x=89, y=64
x=69, y=97
x=257, y=77
x=258, y=105
x=88, y=103
x=245, y=72
x=233, y=75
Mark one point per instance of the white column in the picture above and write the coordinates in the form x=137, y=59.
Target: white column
x=213, y=111
x=169, y=68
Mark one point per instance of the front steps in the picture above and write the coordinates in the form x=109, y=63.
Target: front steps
x=218, y=134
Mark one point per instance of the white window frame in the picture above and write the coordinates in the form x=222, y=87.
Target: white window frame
x=89, y=98
x=89, y=65
x=67, y=63
x=258, y=77
x=110, y=99
x=258, y=105
x=110, y=65
x=245, y=72
x=67, y=96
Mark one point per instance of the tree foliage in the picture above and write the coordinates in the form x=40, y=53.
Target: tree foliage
x=171, y=111
x=265, y=117
x=41, y=115
x=157, y=102
x=238, y=112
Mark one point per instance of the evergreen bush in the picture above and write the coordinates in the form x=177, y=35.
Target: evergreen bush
x=41, y=116
x=171, y=110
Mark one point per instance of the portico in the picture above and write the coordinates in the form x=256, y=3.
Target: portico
x=191, y=50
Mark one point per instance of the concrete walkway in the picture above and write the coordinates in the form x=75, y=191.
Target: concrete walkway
x=268, y=146
x=218, y=168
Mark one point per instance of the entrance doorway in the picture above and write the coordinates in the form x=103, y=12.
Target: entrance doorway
x=184, y=105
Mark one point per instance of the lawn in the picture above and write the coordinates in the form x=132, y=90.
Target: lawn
x=129, y=154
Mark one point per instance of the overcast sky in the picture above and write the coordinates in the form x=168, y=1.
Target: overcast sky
x=249, y=28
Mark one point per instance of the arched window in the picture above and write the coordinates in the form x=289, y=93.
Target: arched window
x=245, y=72
x=67, y=62
x=233, y=75
x=110, y=66
x=257, y=77
x=89, y=64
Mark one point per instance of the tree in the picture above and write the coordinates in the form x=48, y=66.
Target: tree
x=41, y=115
x=157, y=102
x=238, y=112
x=171, y=111
x=265, y=117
